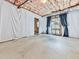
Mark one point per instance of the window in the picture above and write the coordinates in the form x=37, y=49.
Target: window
x=55, y=25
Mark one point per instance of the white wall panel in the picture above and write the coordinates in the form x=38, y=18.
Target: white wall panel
x=16, y=23
x=73, y=23
x=44, y=23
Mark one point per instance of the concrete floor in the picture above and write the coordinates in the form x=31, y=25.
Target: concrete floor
x=40, y=47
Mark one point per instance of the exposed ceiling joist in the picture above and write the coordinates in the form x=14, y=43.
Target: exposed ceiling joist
x=63, y=9
x=31, y=11
x=23, y=3
x=46, y=7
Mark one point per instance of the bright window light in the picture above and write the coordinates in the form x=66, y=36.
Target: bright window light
x=43, y=1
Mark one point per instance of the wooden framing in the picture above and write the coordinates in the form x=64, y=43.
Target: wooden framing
x=22, y=3
x=45, y=6
x=63, y=9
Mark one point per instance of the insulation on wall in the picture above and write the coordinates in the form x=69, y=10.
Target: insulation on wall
x=73, y=23
x=16, y=23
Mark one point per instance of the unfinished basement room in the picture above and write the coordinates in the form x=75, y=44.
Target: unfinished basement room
x=39, y=29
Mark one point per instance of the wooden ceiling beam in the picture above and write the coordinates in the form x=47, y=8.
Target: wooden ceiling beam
x=56, y=2
x=51, y=4
x=22, y=3
x=31, y=11
x=35, y=8
x=70, y=3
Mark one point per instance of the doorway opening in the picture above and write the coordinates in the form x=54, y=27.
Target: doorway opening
x=36, y=26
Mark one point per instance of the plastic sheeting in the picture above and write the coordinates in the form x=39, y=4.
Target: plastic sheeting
x=15, y=23
x=73, y=23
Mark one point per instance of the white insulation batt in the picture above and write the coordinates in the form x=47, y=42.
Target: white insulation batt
x=73, y=23
x=16, y=23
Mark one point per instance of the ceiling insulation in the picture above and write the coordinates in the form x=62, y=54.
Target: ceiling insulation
x=45, y=7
